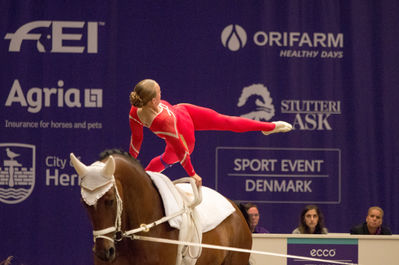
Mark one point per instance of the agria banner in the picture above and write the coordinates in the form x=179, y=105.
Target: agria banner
x=327, y=67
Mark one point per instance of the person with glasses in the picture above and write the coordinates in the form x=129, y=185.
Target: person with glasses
x=253, y=218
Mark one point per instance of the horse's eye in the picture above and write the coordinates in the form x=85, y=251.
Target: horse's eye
x=109, y=202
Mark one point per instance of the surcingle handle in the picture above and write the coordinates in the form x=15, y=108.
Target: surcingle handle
x=197, y=192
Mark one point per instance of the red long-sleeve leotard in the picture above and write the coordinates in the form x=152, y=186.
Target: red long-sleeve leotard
x=177, y=125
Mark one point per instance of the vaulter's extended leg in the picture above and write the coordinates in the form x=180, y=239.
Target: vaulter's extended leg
x=208, y=119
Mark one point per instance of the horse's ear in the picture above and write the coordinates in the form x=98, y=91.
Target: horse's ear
x=109, y=167
x=80, y=168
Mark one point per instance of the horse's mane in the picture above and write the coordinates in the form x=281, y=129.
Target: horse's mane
x=243, y=210
x=106, y=153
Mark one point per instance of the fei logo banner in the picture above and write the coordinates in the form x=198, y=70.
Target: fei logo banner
x=40, y=32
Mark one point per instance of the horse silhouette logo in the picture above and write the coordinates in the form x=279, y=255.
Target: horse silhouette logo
x=17, y=172
x=264, y=106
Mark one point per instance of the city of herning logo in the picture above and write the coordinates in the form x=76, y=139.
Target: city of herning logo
x=17, y=172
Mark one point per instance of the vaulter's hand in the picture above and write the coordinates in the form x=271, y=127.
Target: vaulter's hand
x=198, y=180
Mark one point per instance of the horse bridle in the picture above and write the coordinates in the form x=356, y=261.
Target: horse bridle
x=117, y=228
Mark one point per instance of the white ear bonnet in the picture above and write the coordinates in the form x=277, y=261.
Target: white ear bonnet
x=96, y=179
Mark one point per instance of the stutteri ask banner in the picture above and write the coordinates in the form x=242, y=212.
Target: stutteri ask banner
x=327, y=67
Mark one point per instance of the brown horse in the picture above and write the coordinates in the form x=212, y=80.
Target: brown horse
x=142, y=204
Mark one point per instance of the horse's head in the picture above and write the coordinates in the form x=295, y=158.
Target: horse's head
x=103, y=204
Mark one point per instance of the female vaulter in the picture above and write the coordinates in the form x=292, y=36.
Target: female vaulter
x=177, y=125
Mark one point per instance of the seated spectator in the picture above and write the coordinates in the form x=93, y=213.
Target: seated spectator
x=373, y=224
x=311, y=221
x=253, y=219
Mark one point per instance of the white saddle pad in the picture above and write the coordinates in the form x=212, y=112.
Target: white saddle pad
x=213, y=209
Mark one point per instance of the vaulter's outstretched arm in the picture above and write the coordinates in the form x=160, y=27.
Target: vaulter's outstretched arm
x=136, y=139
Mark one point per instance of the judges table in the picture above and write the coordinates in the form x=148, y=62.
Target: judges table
x=371, y=250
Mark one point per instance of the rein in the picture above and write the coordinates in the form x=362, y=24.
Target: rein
x=210, y=246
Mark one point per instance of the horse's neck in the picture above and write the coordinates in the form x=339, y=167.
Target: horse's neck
x=141, y=201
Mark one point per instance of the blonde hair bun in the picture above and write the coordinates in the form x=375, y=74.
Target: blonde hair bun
x=136, y=100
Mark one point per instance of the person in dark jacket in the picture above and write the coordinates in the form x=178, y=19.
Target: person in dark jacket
x=373, y=224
